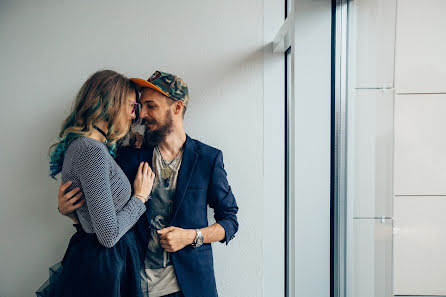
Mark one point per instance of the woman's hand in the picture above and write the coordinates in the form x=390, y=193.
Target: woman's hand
x=143, y=183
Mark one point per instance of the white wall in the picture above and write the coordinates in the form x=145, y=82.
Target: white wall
x=274, y=152
x=48, y=48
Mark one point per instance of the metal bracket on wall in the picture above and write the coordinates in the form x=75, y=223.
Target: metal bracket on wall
x=282, y=41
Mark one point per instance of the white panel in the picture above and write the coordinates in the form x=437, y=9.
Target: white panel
x=373, y=34
x=420, y=245
x=420, y=145
x=309, y=149
x=370, y=152
x=421, y=46
x=372, y=259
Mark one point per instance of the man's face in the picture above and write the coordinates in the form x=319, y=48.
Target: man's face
x=156, y=115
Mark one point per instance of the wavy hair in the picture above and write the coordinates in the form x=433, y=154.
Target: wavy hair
x=99, y=99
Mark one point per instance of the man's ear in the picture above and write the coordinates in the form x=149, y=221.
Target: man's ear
x=178, y=106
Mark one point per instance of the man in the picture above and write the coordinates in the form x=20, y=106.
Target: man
x=189, y=176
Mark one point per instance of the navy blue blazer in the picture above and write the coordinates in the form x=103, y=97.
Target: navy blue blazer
x=201, y=181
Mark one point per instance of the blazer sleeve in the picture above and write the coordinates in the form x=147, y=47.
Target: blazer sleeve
x=222, y=200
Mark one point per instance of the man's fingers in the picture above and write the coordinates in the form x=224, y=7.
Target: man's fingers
x=75, y=198
x=73, y=207
x=162, y=231
x=165, y=230
x=63, y=187
x=71, y=193
x=167, y=248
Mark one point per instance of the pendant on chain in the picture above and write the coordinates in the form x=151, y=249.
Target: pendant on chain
x=166, y=182
x=166, y=172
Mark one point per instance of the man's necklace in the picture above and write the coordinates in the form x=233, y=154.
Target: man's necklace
x=167, y=171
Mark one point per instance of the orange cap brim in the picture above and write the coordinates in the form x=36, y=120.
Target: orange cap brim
x=141, y=83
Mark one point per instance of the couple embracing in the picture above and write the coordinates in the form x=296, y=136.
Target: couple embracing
x=140, y=213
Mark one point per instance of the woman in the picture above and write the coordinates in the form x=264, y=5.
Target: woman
x=103, y=257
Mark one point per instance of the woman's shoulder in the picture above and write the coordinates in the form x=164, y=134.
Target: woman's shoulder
x=84, y=156
x=87, y=147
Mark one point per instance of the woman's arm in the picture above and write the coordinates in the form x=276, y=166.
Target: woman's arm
x=93, y=167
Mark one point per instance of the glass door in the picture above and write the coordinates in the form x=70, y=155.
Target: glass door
x=363, y=168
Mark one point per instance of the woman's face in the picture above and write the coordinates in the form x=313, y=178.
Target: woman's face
x=128, y=113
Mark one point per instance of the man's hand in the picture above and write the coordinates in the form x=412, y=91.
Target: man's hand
x=66, y=200
x=173, y=239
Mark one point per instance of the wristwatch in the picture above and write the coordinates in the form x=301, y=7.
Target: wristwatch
x=198, y=241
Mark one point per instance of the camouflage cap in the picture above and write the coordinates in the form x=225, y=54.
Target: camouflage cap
x=167, y=84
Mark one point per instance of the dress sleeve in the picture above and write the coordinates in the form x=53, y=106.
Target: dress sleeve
x=93, y=168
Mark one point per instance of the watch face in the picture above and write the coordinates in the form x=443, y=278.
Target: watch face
x=198, y=239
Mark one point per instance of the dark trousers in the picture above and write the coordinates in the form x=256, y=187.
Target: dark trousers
x=176, y=294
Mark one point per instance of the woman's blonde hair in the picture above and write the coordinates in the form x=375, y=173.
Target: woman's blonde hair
x=100, y=98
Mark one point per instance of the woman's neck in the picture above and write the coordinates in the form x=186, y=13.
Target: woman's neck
x=95, y=134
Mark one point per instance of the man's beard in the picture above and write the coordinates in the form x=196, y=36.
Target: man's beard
x=154, y=137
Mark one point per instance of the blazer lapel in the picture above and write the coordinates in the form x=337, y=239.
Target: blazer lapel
x=143, y=224
x=148, y=157
x=186, y=169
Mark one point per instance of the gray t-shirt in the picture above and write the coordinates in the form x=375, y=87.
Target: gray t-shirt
x=158, y=277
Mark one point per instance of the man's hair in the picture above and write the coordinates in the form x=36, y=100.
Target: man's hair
x=170, y=101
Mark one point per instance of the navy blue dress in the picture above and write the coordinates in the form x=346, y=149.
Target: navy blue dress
x=90, y=269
